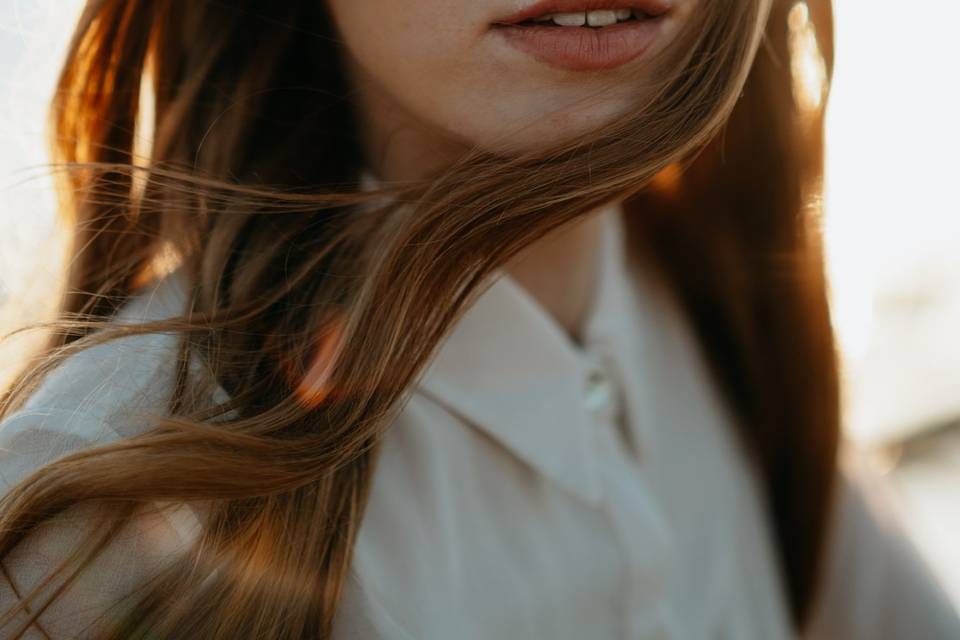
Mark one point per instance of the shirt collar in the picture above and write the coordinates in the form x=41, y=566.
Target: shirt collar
x=509, y=370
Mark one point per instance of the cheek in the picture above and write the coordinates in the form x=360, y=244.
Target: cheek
x=410, y=52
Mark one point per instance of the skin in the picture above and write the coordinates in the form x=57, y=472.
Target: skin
x=433, y=79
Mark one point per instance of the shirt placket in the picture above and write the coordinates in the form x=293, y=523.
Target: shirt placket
x=628, y=504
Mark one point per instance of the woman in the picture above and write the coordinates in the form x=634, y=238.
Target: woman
x=409, y=325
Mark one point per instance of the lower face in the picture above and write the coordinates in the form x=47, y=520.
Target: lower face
x=506, y=76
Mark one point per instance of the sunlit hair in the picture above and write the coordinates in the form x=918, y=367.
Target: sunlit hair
x=252, y=188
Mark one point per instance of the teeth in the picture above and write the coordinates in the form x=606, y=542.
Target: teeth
x=601, y=18
x=570, y=19
x=591, y=18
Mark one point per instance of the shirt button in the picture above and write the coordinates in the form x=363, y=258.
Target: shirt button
x=598, y=394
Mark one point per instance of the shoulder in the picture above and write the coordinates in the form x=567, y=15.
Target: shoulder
x=123, y=371
x=94, y=396
x=98, y=394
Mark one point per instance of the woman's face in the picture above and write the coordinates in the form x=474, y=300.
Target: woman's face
x=437, y=76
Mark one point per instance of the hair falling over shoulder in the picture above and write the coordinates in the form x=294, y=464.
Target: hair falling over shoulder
x=720, y=173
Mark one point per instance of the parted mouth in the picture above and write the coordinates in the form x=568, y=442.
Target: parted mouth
x=585, y=13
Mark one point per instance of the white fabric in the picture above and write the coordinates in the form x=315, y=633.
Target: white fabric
x=530, y=488
x=94, y=397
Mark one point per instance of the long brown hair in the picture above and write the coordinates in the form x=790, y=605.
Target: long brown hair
x=251, y=184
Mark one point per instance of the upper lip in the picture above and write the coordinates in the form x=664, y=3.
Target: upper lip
x=543, y=7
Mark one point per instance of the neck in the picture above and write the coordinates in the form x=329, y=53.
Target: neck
x=561, y=270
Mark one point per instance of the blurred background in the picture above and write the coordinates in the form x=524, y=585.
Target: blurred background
x=892, y=227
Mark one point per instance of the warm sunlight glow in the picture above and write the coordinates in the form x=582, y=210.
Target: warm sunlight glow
x=806, y=61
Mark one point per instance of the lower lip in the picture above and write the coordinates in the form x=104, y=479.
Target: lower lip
x=584, y=48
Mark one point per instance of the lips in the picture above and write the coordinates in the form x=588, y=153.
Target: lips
x=584, y=48
x=653, y=8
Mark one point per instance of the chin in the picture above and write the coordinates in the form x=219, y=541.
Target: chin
x=542, y=133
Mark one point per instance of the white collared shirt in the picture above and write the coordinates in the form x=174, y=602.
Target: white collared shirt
x=543, y=489
x=530, y=488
